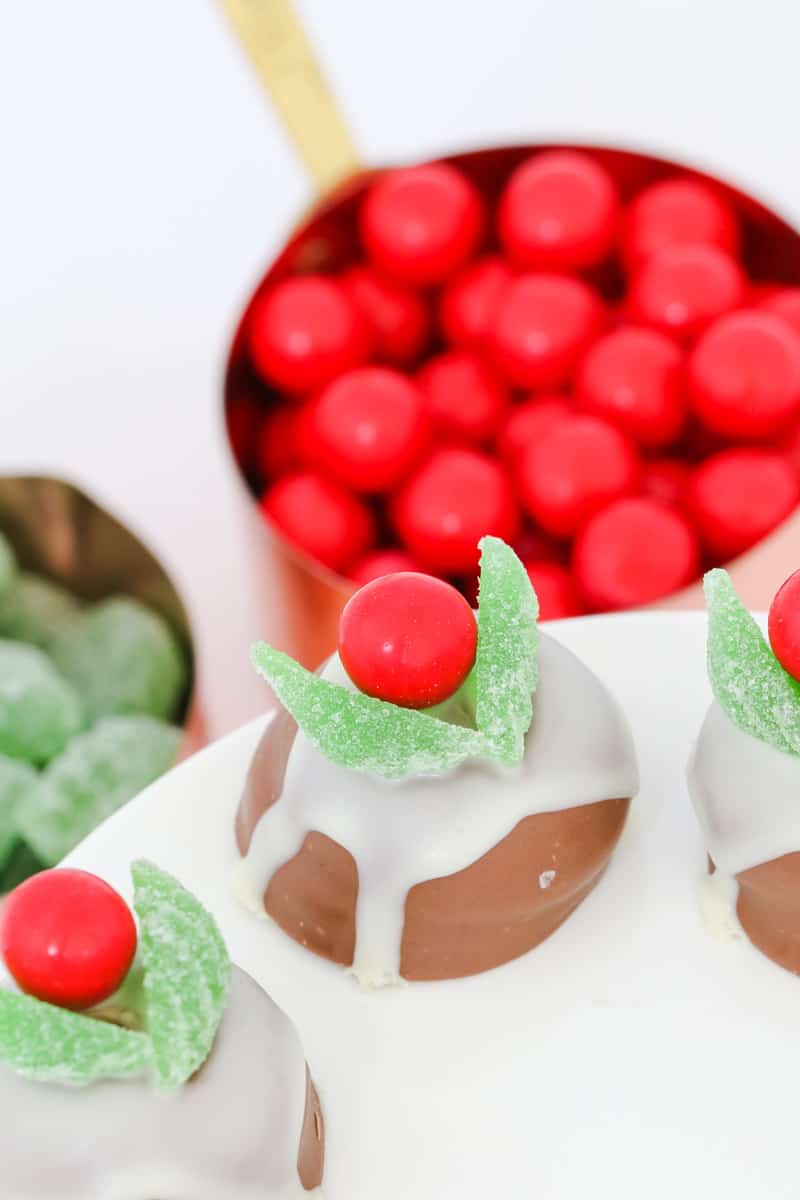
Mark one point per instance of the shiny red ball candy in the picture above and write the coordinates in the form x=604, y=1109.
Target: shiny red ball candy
x=783, y=303
x=398, y=318
x=737, y=497
x=304, y=331
x=677, y=212
x=784, y=625
x=525, y=423
x=681, y=290
x=382, y=562
x=320, y=518
x=555, y=590
x=665, y=480
x=558, y=211
x=408, y=639
x=467, y=301
x=67, y=938
x=464, y=399
x=277, y=448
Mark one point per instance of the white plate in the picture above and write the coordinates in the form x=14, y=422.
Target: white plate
x=630, y=1056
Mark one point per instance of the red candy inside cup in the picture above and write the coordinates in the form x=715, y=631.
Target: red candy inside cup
x=592, y=354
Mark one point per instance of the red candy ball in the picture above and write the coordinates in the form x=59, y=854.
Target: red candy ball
x=632, y=377
x=744, y=375
x=529, y=421
x=320, y=518
x=420, y=224
x=242, y=418
x=632, y=553
x=278, y=441
x=67, y=938
x=783, y=303
x=737, y=497
x=784, y=625
x=558, y=212
x=580, y=465
x=398, y=318
x=467, y=302
x=367, y=429
x=790, y=446
x=380, y=563
x=540, y=327
x=677, y=212
x=447, y=506
x=409, y=639
x=666, y=480
x=304, y=331
x=680, y=291
x=556, y=591
x=463, y=399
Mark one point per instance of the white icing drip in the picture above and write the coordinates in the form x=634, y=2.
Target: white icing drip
x=746, y=795
x=545, y=879
x=233, y=1131
x=719, y=894
x=401, y=833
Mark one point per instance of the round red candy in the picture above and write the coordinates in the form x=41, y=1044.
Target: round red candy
x=304, y=331
x=580, y=465
x=67, y=938
x=784, y=625
x=540, y=328
x=467, y=302
x=420, y=224
x=784, y=303
x=367, y=429
x=633, y=378
x=737, y=497
x=278, y=442
x=677, y=212
x=397, y=317
x=554, y=588
x=529, y=421
x=448, y=504
x=744, y=375
x=790, y=446
x=409, y=639
x=320, y=518
x=665, y=480
x=382, y=562
x=681, y=290
x=558, y=212
x=242, y=418
x=463, y=398
x=632, y=553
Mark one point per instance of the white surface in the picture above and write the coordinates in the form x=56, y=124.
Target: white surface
x=146, y=183
x=630, y=1055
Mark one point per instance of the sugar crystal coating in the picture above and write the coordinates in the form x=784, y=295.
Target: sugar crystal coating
x=98, y=772
x=39, y=710
x=19, y=789
x=53, y=1045
x=122, y=657
x=8, y=567
x=508, y=639
x=187, y=974
x=748, y=681
x=35, y=610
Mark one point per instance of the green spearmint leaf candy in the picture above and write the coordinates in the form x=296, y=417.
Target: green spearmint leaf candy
x=508, y=641
x=39, y=710
x=36, y=611
x=98, y=772
x=187, y=973
x=8, y=567
x=19, y=790
x=747, y=680
x=360, y=732
x=54, y=1045
x=121, y=658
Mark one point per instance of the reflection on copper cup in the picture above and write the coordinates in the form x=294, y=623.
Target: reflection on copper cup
x=305, y=598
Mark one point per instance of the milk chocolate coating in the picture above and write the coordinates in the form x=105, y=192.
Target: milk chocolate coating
x=491, y=912
x=769, y=909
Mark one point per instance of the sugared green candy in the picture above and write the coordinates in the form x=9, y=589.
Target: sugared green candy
x=19, y=790
x=97, y=774
x=366, y=734
x=747, y=680
x=36, y=610
x=122, y=658
x=8, y=568
x=39, y=710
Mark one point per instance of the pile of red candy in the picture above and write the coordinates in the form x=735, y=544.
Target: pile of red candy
x=598, y=383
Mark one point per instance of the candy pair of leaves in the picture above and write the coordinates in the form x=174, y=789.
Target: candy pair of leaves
x=186, y=977
x=371, y=735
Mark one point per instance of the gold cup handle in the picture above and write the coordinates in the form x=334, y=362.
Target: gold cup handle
x=271, y=34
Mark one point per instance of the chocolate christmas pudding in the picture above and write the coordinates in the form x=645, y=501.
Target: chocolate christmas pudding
x=744, y=774
x=445, y=793
x=166, y=1075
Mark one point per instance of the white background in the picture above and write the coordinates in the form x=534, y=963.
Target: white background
x=145, y=183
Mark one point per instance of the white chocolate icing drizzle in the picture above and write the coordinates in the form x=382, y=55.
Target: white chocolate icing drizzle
x=233, y=1131
x=578, y=751
x=746, y=794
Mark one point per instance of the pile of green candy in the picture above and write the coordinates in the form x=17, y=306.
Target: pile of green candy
x=87, y=694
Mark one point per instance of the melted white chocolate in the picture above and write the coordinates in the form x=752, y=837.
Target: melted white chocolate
x=233, y=1131
x=746, y=795
x=401, y=833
